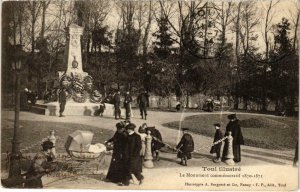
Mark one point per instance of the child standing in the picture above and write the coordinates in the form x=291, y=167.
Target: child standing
x=101, y=108
x=217, y=147
x=185, y=147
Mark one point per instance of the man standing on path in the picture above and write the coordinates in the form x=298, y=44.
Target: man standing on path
x=234, y=127
x=62, y=99
x=142, y=100
x=127, y=103
x=117, y=103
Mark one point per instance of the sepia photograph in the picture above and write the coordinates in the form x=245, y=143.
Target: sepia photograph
x=150, y=95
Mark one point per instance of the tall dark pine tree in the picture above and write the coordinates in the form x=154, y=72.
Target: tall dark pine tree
x=162, y=72
x=284, y=64
x=126, y=49
x=282, y=42
x=164, y=42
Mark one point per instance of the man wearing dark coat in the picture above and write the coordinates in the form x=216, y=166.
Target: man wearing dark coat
x=157, y=142
x=133, y=159
x=117, y=105
x=217, y=147
x=185, y=147
x=41, y=165
x=127, y=103
x=142, y=101
x=234, y=127
x=62, y=99
x=116, y=172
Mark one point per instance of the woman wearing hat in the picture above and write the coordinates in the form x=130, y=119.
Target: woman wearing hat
x=116, y=171
x=185, y=147
x=234, y=127
x=42, y=164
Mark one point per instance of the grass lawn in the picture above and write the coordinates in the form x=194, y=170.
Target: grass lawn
x=32, y=134
x=259, y=131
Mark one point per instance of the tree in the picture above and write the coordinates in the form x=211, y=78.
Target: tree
x=101, y=58
x=267, y=28
x=34, y=9
x=164, y=70
x=283, y=78
x=295, y=21
x=164, y=42
x=127, y=45
x=144, y=19
x=244, y=27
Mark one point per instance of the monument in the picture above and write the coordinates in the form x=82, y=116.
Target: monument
x=77, y=82
x=83, y=98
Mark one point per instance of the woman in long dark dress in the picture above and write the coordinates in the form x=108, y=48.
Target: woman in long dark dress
x=116, y=172
x=234, y=127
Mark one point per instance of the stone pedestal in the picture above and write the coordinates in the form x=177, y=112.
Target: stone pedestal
x=52, y=138
x=229, y=157
x=74, y=51
x=148, y=163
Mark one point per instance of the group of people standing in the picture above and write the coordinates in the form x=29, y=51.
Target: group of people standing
x=115, y=99
x=186, y=145
x=129, y=151
x=129, y=148
x=117, y=104
x=233, y=127
x=142, y=101
x=126, y=159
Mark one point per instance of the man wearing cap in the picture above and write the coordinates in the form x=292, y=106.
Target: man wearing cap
x=142, y=100
x=117, y=103
x=185, y=147
x=234, y=127
x=62, y=99
x=133, y=159
x=216, y=148
x=127, y=103
x=41, y=165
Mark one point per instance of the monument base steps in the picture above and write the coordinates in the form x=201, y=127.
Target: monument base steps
x=73, y=109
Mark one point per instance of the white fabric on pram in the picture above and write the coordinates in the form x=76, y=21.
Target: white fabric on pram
x=96, y=148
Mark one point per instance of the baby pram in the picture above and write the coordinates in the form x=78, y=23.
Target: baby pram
x=82, y=152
